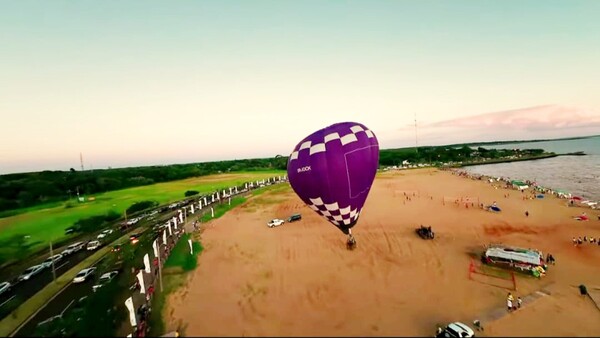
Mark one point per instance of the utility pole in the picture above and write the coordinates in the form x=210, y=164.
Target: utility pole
x=416, y=137
x=53, y=270
x=126, y=224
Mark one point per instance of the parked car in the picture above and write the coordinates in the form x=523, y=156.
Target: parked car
x=294, y=217
x=30, y=272
x=73, y=248
x=93, y=245
x=105, y=279
x=52, y=259
x=275, y=223
x=84, y=274
x=456, y=330
x=4, y=287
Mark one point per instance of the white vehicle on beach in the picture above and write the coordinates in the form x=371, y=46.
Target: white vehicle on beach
x=456, y=330
x=513, y=257
x=275, y=222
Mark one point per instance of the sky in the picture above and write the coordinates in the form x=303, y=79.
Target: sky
x=130, y=83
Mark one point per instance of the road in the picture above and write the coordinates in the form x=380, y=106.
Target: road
x=73, y=292
x=21, y=291
x=57, y=306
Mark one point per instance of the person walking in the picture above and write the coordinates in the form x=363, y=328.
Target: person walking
x=519, y=302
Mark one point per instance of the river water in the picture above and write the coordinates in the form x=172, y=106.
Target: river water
x=579, y=175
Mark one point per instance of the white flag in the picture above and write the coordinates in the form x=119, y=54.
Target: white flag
x=140, y=277
x=180, y=218
x=175, y=224
x=236, y=190
x=229, y=201
x=200, y=204
x=230, y=191
x=191, y=247
x=212, y=212
x=147, y=263
x=205, y=202
x=170, y=231
x=246, y=185
x=165, y=237
x=192, y=209
x=213, y=198
x=129, y=305
x=155, y=247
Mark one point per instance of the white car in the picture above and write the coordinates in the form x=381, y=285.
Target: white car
x=84, y=274
x=73, y=248
x=48, y=262
x=105, y=279
x=275, y=222
x=4, y=287
x=93, y=245
x=456, y=330
x=105, y=233
x=30, y=272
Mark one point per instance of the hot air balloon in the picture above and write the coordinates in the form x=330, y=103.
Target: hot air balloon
x=332, y=171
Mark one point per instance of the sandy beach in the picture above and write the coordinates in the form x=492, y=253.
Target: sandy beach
x=299, y=280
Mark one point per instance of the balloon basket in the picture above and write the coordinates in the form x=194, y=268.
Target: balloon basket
x=351, y=245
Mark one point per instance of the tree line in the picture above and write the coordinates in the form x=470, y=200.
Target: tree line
x=31, y=189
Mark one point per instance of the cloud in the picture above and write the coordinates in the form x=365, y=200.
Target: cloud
x=548, y=121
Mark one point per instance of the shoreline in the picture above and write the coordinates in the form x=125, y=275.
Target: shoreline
x=532, y=188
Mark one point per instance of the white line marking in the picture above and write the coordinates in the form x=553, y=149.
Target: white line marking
x=60, y=266
x=63, y=311
x=8, y=300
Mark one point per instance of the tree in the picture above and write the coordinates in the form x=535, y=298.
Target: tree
x=191, y=193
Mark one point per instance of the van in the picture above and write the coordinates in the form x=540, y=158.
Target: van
x=295, y=217
x=513, y=258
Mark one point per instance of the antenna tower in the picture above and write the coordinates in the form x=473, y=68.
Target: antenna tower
x=416, y=137
x=81, y=160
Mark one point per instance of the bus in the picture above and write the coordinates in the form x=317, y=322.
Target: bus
x=526, y=260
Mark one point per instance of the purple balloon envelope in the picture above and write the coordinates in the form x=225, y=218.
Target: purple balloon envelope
x=332, y=171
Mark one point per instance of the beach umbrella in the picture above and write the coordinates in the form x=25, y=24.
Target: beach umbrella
x=332, y=171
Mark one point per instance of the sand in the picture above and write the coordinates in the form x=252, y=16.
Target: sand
x=299, y=280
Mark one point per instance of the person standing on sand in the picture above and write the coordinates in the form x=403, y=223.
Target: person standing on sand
x=526, y=213
x=519, y=302
x=509, y=301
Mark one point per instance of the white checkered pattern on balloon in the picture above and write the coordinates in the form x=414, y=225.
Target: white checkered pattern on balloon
x=322, y=147
x=333, y=212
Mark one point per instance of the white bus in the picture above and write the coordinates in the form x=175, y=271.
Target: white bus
x=513, y=257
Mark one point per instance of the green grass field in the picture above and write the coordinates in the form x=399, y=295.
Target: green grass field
x=49, y=223
x=181, y=257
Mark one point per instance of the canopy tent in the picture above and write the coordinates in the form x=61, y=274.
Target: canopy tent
x=562, y=193
x=519, y=184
